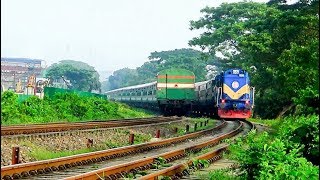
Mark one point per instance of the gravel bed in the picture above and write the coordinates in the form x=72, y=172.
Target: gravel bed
x=75, y=140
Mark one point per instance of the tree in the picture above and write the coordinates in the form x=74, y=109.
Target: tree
x=189, y=59
x=122, y=78
x=281, y=42
x=82, y=76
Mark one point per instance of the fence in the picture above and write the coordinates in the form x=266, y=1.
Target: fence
x=51, y=91
x=23, y=97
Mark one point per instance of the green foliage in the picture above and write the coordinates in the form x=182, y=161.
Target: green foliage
x=180, y=58
x=112, y=144
x=122, y=78
x=141, y=138
x=81, y=75
x=200, y=163
x=9, y=103
x=61, y=107
x=284, y=155
x=41, y=153
x=159, y=162
x=126, y=111
x=279, y=41
x=301, y=131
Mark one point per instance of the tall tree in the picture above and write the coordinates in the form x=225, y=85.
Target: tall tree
x=81, y=75
x=279, y=44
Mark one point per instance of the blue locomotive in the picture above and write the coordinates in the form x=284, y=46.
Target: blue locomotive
x=228, y=95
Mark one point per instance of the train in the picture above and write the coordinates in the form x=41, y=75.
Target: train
x=175, y=92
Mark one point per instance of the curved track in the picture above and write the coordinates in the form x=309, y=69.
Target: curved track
x=83, y=162
x=175, y=171
x=39, y=167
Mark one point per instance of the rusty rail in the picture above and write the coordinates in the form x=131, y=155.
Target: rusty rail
x=26, y=169
x=180, y=170
x=59, y=127
x=121, y=170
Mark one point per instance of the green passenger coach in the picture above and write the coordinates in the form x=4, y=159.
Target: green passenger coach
x=175, y=91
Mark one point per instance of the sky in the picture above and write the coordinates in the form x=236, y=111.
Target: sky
x=108, y=35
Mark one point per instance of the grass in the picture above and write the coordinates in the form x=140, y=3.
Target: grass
x=141, y=138
x=210, y=124
x=267, y=122
x=41, y=153
x=126, y=111
x=221, y=174
x=182, y=130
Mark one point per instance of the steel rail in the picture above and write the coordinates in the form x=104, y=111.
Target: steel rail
x=25, y=169
x=121, y=170
x=59, y=127
x=111, y=120
x=180, y=170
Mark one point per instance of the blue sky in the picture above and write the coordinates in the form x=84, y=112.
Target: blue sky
x=108, y=35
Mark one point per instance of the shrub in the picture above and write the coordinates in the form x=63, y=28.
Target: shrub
x=262, y=157
x=61, y=107
x=9, y=104
x=301, y=131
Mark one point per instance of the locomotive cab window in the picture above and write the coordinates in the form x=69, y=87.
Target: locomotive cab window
x=235, y=71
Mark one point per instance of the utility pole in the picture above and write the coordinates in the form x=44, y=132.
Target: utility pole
x=14, y=78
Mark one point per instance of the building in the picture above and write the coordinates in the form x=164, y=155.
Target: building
x=14, y=70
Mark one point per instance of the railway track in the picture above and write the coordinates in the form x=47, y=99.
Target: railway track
x=180, y=170
x=70, y=165
x=40, y=167
x=122, y=170
x=61, y=127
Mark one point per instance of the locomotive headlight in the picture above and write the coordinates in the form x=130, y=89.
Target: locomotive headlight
x=235, y=84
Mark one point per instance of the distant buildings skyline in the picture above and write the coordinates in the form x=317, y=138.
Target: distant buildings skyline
x=14, y=70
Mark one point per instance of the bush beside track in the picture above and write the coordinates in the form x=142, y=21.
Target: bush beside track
x=289, y=151
x=62, y=107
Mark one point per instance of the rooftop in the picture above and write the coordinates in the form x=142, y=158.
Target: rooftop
x=21, y=60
